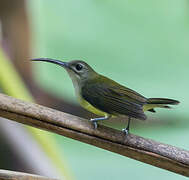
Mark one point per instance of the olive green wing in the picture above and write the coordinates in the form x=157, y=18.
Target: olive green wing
x=114, y=100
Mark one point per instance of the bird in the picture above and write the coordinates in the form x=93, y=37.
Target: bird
x=106, y=97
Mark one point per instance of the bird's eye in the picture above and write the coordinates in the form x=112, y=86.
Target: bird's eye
x=79, y=67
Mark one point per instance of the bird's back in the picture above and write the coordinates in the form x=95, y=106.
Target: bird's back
x=113, y=98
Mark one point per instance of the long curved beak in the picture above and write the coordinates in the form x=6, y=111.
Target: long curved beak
x=54, y=61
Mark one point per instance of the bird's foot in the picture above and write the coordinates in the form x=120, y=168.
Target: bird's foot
x=125, y=131
x=94, y=121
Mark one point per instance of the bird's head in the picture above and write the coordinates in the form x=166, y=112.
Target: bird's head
x=78, y=70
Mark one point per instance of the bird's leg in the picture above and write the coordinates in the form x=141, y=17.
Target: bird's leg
x=126, y=130
x=94, y=121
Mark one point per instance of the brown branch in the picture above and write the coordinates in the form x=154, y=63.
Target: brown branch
x=157, y=154
x=12, y=175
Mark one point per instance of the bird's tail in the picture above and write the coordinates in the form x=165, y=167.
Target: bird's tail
x=159, y=102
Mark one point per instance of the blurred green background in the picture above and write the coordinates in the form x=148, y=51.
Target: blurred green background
x=140, y=44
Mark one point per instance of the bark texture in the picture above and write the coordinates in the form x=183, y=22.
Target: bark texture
x=146, y=150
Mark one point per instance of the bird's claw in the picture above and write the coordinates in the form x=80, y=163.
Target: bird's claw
x=94, y=123
x=125, y=131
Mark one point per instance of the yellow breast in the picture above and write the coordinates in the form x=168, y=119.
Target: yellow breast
x=91, y=108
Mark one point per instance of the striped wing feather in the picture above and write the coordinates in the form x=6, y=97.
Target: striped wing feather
x=112, y=98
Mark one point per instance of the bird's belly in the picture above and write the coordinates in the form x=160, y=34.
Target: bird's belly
x=91, y=108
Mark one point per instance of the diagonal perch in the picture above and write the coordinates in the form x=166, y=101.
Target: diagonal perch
x=12, y=175
x=148, y=151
